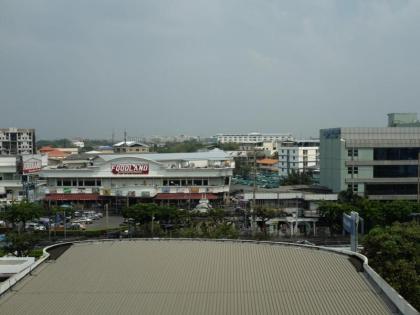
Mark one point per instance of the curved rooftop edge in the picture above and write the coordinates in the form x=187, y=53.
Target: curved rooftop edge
x=385, y=291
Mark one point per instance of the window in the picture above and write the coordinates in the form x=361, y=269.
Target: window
x=174, y=182
x=165, y=182
x=89, y=182
x=355, y=152
x=59, y=182
x=349, y=152
x=394, y=171
x=353, y=187
x=197, y=182
x=353, y=170
x=183, y=182
x=305, y=151
x=81, y=182
x=66, y=182
x=189, y=182
x=205, y=182
x=98, y=182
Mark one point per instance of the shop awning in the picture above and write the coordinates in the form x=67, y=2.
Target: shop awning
x=72, y=197
x=184, y=196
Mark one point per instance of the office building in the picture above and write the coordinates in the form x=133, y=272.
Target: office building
x=381, y=163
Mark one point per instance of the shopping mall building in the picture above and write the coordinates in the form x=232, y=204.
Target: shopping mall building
x=118, y=179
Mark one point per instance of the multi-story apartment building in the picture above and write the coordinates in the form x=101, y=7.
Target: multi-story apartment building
x=381, y=163
x=17, y=141
x=299, y=155
x=130, y=147
x=252, y=138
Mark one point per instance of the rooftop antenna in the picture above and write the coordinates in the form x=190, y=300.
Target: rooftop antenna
x=125, y=137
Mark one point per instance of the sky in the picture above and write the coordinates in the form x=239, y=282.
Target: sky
x=78, y=68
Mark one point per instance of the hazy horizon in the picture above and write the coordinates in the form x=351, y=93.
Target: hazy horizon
x=83, y=69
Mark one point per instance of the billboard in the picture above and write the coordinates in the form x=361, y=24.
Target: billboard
x=31, y=163
x=130, y=168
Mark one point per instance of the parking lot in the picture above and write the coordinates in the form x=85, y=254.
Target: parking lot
x=113, y=222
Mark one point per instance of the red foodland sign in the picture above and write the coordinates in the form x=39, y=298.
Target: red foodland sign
x=130, y=168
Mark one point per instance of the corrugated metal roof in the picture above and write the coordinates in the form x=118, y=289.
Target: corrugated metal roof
x=192, y=277
x=215, y=154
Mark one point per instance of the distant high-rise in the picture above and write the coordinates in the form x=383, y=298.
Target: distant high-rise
x=17, y=141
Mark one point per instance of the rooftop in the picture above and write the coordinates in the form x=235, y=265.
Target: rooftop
x=194, y=277
x=267, y=161
x=215, y=154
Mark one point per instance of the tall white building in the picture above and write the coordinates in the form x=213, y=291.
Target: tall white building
x=299, y=155
x=249, y=140
x=16, y=141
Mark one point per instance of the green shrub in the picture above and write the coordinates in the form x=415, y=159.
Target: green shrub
x=36, y=253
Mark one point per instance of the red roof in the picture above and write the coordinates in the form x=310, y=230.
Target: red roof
x=46, y=149
x=267, y=161
x=183, y=196
x=57, y=153
x=72, y=197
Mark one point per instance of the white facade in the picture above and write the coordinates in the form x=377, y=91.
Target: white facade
x=145, y=175
x=15, y=141
x=252, y=138
x=12, y=187
x=78, y=143
x=268, y=148
x=298, y=156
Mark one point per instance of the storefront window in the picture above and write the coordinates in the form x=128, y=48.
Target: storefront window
x=89, y=182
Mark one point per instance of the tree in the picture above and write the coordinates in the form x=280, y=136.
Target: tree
x=20, y=244
x=140, y=213
x=331, y=214
x=242, y=168
x=228, y=146
x=298, y=178
x=394, y=252
x=265, y=214
x=217, y=215
x=145, y=213
x=19, y=213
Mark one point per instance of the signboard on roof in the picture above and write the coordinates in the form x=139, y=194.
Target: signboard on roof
x=31, y=163
x=130, y=168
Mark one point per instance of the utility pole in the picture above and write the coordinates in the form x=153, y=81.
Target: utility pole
x=418, y=177
x=254, y=190
x=107, y=221
x=65, y=223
